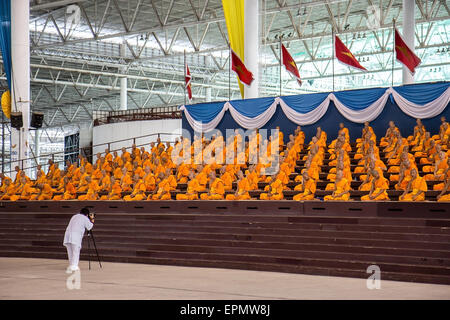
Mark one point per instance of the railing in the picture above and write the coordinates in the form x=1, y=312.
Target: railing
x=157, y=113
x=84, y=151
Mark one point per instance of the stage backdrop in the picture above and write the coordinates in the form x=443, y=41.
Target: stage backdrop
x=401, y=104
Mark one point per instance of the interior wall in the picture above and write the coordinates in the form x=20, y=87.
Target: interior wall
x=131, y=131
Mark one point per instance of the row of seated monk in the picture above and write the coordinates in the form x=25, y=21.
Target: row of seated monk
x=341, y=170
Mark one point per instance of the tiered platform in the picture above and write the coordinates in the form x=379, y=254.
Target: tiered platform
x=408, y=241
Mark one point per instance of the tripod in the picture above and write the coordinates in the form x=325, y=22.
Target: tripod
x=91, y=235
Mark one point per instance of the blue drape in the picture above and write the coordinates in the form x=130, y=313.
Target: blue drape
x=205, y=112
x=305, y=103
x=5, y=37
x=359, y=99
x=252, y=107
x=422, y=93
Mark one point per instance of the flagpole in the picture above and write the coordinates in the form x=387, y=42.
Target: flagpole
x=185, y=89
x=334, y=52
x=229, y=71
x=281, y=57
x=393, y=52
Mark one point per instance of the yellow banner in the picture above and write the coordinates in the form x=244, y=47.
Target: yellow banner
x=234, y=17
x=6, y=103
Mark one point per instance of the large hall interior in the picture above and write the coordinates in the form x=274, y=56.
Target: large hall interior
x=295, y=141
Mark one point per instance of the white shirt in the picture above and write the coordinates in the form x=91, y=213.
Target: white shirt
x=75, y=230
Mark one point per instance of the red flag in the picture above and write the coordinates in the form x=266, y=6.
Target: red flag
x=344, y=55
x=404, y=54
x=289, y=63
x=245, y=76
x=187, y=81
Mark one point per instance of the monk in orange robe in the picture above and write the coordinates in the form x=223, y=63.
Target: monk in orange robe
x=341, y=189
x=379, y=187
x=216, y=189
x=139, y=189
x=9, y=192
x=163, y=190
x=115, y=191
x=416, y=189
x=308, y=188
x=68, y=190
x=193, y=188
x=45, y=192
x=243, y=188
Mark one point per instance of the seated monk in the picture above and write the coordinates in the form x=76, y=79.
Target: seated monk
x=115, y=191
x=404, y=176
x=443, y=176
x=365, y=131
x=419, y=132
x=442, y=129
x=40, y=172
x=193, y=188
x=395, y=160
x=227, y=179
x=51, y=168
x=69, y=192
x=415, y=191
x=149, y=179
x=341, y=189
x=440, y=165
x=425, y=144
x=25, y=189
x=45, y=192
x=346, y=173
x=105, y=181
x=182, y=173
x=313, y=170
x=163, y=190
x=427, y=156
x=243, y=186
x=92, y=191
x=83, y=185
x=444, y=196
x=395, y=163
x=379, y=187
x=3, y=186
x=397, y=147
x=117, y=160
x=77, y=174
x=308, y=188
x=389, y=137
x=216, y=188
x=9, y=192
x=274, y=191
x=171, y=179
x=56, y=177
x=139, y=189
x=444, y=135
x=126, y=181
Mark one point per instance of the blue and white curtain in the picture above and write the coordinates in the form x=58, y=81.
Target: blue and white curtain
x=419, y=101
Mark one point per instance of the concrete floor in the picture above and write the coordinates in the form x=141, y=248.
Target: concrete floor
x=46, y=279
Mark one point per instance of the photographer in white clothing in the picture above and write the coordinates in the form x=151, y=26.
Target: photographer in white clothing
x=74, y=235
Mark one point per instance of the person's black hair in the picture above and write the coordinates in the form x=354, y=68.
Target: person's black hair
x=85, y=211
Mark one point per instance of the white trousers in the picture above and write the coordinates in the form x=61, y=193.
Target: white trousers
x=73, y=252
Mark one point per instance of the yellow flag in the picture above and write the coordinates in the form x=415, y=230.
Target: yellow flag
x=234, y=17
x=6, y=103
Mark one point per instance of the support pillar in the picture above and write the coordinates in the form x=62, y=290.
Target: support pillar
x=251, y=45
x=123, y=83
x=20, y=93
x=37, y=137
x=408, y=34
